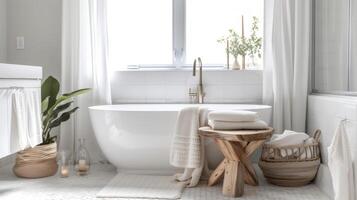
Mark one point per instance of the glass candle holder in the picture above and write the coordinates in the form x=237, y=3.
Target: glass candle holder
x=82, y=162
x=64, y=164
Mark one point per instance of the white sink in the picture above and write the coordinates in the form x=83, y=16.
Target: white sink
x=10, y=71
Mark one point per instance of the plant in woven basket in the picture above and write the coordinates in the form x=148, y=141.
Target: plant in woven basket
x=56, y=108
x=40, y=161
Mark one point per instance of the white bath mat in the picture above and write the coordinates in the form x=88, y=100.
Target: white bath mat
x=129, y=186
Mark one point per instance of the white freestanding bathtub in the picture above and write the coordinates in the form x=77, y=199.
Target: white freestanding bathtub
x=137, y=137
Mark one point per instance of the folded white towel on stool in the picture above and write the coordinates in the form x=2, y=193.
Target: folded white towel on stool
x=224, y=125
x=233, y=116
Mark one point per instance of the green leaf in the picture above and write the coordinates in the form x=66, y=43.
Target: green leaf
x=77, y=92
x=64, y=117
x=44, y=104
x=66, y=97
x=50, y=88
x=61, y=108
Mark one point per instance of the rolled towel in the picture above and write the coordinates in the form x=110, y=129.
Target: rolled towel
x=233, y=116
x=307, y=152
x=222, y=125
x=288, y=138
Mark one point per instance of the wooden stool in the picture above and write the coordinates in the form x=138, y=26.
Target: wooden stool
x=237, y=146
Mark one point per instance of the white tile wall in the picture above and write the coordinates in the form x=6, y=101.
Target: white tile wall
x=325, y=112
x=171, y=86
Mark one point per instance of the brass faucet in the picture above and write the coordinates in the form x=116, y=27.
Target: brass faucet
x=199, y=94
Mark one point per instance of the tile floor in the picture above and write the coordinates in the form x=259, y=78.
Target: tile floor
x=86, y=188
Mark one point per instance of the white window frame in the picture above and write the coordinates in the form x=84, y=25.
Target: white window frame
x=179, y=30
x=178, y=37
x=178, y=42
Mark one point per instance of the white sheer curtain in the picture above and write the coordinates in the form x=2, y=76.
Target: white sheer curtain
x=287, y=60
x=84, y=64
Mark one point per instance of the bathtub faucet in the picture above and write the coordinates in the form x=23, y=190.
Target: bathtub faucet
x=199, y=93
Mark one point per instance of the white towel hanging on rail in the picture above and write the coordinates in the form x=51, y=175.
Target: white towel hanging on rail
x=340, y=164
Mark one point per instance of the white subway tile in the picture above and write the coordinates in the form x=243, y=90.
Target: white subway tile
x=155, y=92
x=130, y=92
x=172, y=86
x=155, y=78
x=129, y=78
x=177, y=78
x=233, y=77
x=176, y=92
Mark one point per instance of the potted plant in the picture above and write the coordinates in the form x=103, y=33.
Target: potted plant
x=40, y=161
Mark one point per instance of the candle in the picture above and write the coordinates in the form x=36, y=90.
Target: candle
x=227, y=52
x=242, y=26
x=82, y=165
x=243, y=56
x=64, y=171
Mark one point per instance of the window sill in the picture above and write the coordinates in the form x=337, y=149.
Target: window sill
x=184, y=69
x=334, y=93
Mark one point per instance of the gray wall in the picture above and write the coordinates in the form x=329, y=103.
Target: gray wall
x=3, y=30
x=39, y=21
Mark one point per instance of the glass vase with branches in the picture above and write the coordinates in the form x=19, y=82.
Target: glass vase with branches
x=254, y=42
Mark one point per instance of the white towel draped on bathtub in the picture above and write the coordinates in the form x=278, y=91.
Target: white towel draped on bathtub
x=187, y=148
x=20, y=119
x=340, y=165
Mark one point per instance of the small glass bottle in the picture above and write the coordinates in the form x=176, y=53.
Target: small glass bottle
x=82, y=159
x=65, y=164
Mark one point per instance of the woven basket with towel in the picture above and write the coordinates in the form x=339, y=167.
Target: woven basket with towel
x=291, y=159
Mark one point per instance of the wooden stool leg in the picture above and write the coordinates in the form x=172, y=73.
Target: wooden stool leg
x=250, y=174
x=253, y=146
x=217, y=174
x=233, y=184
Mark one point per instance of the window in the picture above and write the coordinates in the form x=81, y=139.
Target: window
x=335, y=47
x=208, y=20
x=172, y=33
x=140, y=32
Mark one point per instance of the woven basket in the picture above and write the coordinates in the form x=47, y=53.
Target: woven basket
x=293, y=165
x=36, y=162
